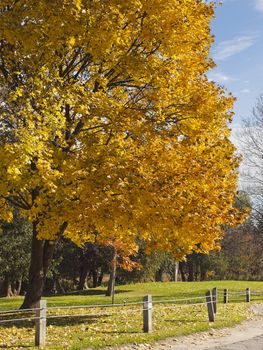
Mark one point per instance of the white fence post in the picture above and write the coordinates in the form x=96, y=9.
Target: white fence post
x=210, y=309
x=225, y=296
x=147, y=314
x=214, y=295
x=41, y=322
x=248, y=295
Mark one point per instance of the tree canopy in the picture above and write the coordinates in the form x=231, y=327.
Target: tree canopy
x=109, y=126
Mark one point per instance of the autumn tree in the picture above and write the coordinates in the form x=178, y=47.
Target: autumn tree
x=122, y=254
x=110, y=126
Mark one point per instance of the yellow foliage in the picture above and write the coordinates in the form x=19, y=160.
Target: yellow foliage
x=109, y=122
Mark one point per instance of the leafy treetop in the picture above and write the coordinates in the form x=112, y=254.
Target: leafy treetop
x=109, y=126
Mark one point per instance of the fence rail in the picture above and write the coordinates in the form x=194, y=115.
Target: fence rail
x=40, y=313
x=17, y=311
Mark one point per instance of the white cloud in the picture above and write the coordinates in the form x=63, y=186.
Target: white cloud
x=245, y=91
x=259, y=5
x=228, y=48
x=220, y=77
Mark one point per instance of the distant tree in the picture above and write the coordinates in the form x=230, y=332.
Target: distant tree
x=94, y=261
x=64, y=270
x=73, y=267
x=251, y=146
x=153, y=267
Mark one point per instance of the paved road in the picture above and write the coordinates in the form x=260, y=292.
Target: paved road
x=247, y=336
x=255, y=343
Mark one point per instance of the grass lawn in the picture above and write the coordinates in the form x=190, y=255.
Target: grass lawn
x=98, y=327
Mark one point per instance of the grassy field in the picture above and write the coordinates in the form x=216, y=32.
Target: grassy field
x=101, y=326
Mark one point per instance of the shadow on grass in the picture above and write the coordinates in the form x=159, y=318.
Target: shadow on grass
x=76, y=320
x=4, y=346
x=60, y=321
x=180, y=296
x=186, y=321
x=123, y=332
x=88, y=292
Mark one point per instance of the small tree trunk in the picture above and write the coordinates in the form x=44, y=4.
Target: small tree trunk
x=13, y=286
x=176, y=269
x=181, y=269
x=196, y=271
x=18, y=286
x=94, y=278
x=100, y=278
x=41, y=257
x=158, y=275
x=83, y=277
x=8, y=287
x=60, y=287
x=54, y=286
x=202, y=273
x=191, y=271
x=111, y=284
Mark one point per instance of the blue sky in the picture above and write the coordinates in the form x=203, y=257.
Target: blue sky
x=238, y=52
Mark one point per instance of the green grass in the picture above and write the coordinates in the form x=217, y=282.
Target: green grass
x=111, y=326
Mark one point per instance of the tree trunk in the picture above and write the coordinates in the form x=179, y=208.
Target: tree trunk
x=111, y=284
x=60, y=286
x=8, y=287
x=158, y=275
x=41, y=257
x=100, y=278
x=83, y=277
x=176, y=269
x=94, y=277
x=203, y=274
x=191, y=271
x=181, y=269
x=196, y=271
x=54, y=287
x=18, y=286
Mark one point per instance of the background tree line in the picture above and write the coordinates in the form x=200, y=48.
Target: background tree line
x=75, y=268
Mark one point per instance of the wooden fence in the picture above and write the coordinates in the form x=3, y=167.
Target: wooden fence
x=210, y=300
